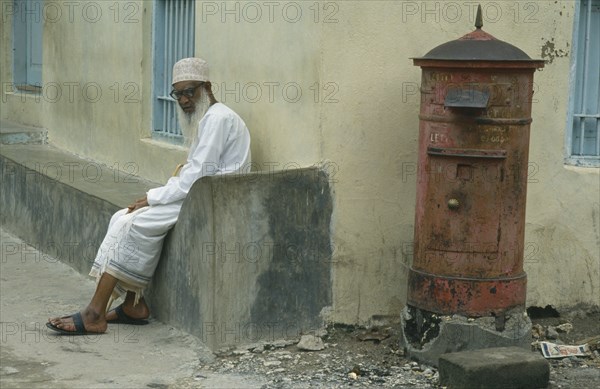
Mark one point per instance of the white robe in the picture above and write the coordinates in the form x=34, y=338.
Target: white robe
x=131, y=248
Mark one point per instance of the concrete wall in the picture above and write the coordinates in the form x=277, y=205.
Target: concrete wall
x=356, y=116
x=246, y=265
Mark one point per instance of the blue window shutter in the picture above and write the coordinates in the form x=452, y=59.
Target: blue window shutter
x=28, y=24
x=35, y=26
x=174, y=30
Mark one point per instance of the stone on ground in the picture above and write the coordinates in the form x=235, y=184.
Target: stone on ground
x=311, y=343
x=500, y=367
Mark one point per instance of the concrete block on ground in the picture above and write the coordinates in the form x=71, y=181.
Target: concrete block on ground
x=499, y=367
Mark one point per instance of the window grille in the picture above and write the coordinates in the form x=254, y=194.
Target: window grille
x=583, y=134
x=27, y=44
x=173, y=40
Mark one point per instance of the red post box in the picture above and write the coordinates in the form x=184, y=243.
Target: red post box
x=475, y=115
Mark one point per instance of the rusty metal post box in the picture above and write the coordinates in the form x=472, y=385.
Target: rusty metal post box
x=475, y=115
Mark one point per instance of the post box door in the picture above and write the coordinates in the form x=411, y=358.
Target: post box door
x=463, y=204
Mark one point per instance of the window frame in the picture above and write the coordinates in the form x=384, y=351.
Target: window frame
x=574, y=82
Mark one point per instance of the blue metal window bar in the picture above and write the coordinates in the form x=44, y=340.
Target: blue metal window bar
x=585, y=121
x=174, y=23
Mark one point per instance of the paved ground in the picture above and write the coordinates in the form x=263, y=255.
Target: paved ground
x=34, y=287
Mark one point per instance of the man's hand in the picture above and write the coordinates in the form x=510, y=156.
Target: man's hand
x=139, y=203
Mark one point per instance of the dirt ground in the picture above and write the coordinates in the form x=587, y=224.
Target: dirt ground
x=357, y=357
x=572, y=372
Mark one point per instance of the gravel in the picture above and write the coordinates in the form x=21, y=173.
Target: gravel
x=344, y=361
x=371, y=358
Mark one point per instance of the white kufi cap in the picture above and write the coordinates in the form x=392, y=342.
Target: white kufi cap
x=190, y=69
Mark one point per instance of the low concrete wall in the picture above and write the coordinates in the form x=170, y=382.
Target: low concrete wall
x=248, y=260
x=60, y=204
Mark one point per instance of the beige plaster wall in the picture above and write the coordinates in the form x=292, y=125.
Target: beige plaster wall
x=24, y=108
x=563, y=204
x=368, y=132
x=116, y=55
x=356, y=115
x=266, y=65
x=96, y=88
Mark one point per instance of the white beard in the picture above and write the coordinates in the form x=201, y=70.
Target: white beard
x=189, y=121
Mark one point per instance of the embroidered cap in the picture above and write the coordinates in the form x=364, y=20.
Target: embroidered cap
x=190, y=69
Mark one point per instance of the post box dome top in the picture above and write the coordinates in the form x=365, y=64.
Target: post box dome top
x=478, y=46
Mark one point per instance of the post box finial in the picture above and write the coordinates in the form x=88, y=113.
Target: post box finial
x=479, y=18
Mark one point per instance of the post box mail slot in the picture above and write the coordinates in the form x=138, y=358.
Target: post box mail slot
x=466, y=98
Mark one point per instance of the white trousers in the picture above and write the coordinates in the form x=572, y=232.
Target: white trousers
x=131, y=248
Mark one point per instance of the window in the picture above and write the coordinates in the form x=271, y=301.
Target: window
x=27, y=44
x=173, y=40
x=583, y=127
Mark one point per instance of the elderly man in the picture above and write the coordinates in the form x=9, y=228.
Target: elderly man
x=131, y=249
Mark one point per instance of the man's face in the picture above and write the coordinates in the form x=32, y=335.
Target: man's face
x=188, y=104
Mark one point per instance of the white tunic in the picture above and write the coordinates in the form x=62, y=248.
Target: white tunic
x=222, y=146
x=131, y=248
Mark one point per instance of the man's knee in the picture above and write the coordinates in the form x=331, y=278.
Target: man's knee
x=118, y=214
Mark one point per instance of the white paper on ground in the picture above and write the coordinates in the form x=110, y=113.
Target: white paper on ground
x=551, y=350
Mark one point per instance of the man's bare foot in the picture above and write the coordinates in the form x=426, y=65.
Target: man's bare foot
x=93, y=322
x=140, y=311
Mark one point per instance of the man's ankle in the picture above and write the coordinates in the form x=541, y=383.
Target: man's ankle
x=93, y=314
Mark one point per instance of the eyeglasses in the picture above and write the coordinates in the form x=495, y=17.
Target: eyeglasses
x=189, y=92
